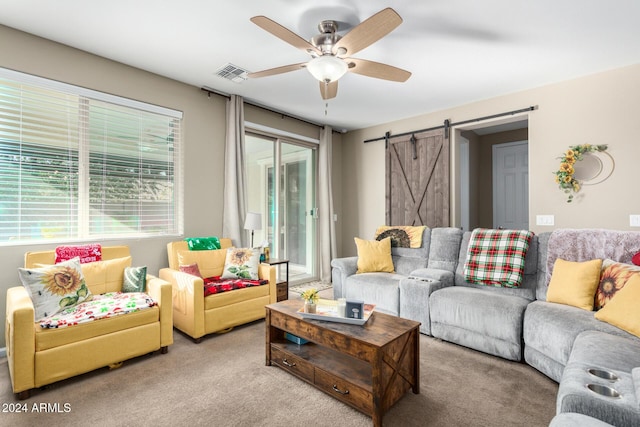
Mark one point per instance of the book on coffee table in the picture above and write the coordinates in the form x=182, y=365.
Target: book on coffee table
x=327, y=309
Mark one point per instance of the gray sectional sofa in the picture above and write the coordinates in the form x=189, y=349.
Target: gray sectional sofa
x=561, y=341
x=435, y=259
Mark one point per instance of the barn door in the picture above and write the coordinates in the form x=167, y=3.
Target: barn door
x=417, y=179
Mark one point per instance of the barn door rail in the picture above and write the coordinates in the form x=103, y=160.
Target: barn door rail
x=447, y=124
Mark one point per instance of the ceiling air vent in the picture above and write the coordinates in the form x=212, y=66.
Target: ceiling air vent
x=233, y=73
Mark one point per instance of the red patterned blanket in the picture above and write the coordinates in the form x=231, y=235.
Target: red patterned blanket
x=216, y=285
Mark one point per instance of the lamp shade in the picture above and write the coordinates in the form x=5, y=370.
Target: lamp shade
x=327, y=68
x=253, y=221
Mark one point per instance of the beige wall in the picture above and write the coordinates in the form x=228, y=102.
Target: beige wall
x=598, y=109
x=476, y=193
x=203, y=134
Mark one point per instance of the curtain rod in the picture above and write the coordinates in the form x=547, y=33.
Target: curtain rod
x=447, y=124
x=225, y=95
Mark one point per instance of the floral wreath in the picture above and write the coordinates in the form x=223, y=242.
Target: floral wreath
x=564, y=175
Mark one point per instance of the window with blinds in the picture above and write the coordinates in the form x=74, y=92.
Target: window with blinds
x=76, y=164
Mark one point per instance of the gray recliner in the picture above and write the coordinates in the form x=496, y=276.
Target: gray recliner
x=485, y=318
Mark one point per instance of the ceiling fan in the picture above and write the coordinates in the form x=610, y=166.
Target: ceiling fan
x=331, y=52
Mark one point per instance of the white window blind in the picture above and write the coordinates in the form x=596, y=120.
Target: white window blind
x=76, y=164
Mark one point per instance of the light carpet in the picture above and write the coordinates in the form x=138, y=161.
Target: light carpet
x=223, y=381
x=296, y=290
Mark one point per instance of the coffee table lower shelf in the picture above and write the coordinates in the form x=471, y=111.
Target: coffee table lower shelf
x=328, y=370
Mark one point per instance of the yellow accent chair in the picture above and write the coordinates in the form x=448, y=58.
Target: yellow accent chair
x=39, y=356
x=197, y=315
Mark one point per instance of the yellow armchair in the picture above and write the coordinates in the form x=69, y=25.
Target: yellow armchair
x=197, y=315
x=38, y=356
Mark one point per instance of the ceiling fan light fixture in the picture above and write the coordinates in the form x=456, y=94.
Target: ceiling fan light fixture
x=327, y=68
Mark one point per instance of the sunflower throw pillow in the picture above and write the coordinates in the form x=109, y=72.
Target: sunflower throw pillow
x=241, y=263
x=56, y=287
x=614, y=276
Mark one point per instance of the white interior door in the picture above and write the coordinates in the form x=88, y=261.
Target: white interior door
x=511, y=185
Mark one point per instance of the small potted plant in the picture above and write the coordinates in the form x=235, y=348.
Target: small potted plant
x=310, y=297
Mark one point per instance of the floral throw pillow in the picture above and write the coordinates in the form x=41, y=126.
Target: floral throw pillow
x=56, y=287
x=241, y=263
x=613, y=277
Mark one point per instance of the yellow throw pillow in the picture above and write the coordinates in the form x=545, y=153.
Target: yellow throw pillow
x=374, y=256
x=574, y=283
x=622, y=310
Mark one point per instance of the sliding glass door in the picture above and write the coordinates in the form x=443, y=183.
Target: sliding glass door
x=281, y=181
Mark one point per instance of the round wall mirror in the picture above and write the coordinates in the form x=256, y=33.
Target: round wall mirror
x=594, y=168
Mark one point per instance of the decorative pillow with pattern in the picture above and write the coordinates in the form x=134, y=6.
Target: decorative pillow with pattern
x=202, y=243
x=622, y=311
x=86, y=253
x=402, y=236
x=135, y=279
x=496, y=257
x=56, y=287
x=241, y=263
x=614, y=276
x=191, y=269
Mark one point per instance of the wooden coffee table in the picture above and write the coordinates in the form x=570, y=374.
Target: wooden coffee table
x=369, y=367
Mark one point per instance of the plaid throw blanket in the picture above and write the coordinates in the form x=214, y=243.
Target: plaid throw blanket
x=216, y=285
x=496, y=257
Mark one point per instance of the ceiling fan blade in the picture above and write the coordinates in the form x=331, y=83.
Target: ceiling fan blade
x=368, y=32
x=377, y=70
x=284, y=34
x=329, y=90
x=277, y=70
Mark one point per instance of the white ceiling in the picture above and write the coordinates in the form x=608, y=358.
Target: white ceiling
x=459, y=51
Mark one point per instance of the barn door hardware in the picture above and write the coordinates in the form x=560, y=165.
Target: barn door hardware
x=413, y=146
x=447, y=124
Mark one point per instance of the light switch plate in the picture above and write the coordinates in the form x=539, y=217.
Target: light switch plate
x=634, y=220
x=547, y=220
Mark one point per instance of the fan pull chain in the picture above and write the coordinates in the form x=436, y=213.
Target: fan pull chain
x=326, y=107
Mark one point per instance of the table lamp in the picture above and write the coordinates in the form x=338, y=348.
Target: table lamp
x=253, y=221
